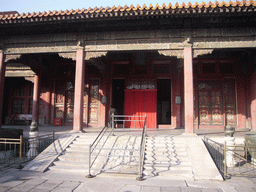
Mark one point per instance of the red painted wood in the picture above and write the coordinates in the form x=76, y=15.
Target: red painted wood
x=253, y=101
x=188, y=90
x=36, y=97
x=139, y=108
x=2, y=78
x=139, y=103
x=150, y=108
x=79, y=91
x=129, y=107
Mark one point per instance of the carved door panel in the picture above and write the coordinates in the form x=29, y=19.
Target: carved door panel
x=94, y=101
x=69, y=106
x=59, y=100
x=210, y=108
x=216, y=108
x=230, y=102
x=204, y=108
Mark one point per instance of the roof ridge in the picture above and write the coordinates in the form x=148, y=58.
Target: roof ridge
x=119, y=8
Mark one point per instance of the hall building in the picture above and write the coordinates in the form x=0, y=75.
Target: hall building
x=190, y=66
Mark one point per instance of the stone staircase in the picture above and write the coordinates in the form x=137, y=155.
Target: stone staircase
x=121, y=155
x=167, y=156
x=75, y=158
x=116, y=155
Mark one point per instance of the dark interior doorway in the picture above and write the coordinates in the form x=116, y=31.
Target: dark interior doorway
x=118, y=95
x=164, y=101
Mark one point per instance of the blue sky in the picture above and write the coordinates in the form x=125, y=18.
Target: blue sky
x=25, y=6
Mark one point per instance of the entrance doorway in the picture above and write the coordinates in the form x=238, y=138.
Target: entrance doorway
x=164, y=101
x=118, y=95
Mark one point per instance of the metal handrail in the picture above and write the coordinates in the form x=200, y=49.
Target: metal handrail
x=93, y=146
x=22, y=145
x=14, y=142
x=126, y=118
x=142, y=150
x=242, y=164
x=110, y=129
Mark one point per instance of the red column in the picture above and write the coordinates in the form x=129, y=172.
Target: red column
x=2, y=78
x=48, y=106
x=36, y=98
x=188, y=90
x=79, y=91
x=253, y=101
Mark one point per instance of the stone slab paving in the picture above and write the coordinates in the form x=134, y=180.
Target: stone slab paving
x=37, y=181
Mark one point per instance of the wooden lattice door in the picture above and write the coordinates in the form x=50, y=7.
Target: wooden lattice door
x=230, y=102
x=210, y=107
x=69, y=106
x=94, y=101
x=217, y=103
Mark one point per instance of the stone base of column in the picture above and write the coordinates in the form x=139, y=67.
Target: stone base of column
x=33, y=144
x=230, y=159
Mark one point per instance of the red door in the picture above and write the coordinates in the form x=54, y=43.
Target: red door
x=138, y=103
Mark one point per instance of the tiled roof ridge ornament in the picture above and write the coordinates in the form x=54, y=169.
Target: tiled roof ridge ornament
x=7, y=18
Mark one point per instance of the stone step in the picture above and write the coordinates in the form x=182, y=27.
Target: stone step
x=165, y=140
x=167, y=164
x=79, y=145
x=75, y=154
x=72, y=158
x=84, y=140
x=165, y=143
x=155, y=159
x=69, y=169
x=165, y=160
x=174, y=168
x=71, y=164
x=181, y=149
x=165, y=154
x=169, y=145
x=162, y=153
x=77, y=150
x=169, y=173
x=169, y=150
